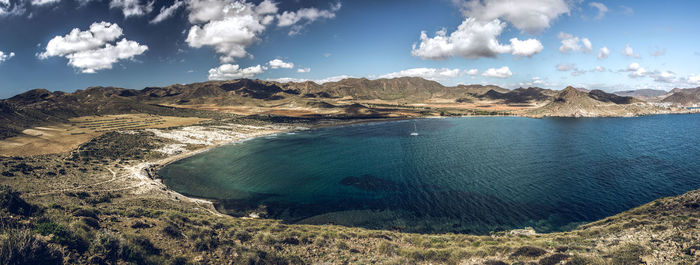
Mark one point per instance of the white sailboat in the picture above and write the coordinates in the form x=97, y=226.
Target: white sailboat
x=415, y=130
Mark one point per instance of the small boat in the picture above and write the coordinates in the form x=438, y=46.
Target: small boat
x=415, y=130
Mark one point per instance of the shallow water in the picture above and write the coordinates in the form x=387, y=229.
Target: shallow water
x=470, y=175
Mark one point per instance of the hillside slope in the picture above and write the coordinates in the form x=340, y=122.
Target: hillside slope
x=572, y=102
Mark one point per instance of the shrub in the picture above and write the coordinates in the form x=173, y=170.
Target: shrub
x=108, y=245
x=144, y=244
x=553, y=259
x=386, y=248
x=528, y=251
x=12, y=203
x=628, y=254
x=92, y=222
x=19, y=246
x=85, y=213
x=172, y=231
x=243, y=236
x=61, y=235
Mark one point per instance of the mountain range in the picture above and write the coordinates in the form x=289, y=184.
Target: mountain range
x=349, y=97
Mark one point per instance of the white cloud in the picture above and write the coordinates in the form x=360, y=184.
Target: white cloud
x=5, y=57
x=694, y=79
x=97, y=36
x=571, y=43
x=587, y=45
x=318, y=81
x=603, y=53
x=89, y=61
x=472, y=39
x=277, y=63
x=8, y=8
x=43, y=2
x=565, y=67
x=91, y=50
x=427, y=73
x=531, y=16
x=230, y=26
x=602, y=9
x=305, y=16
x=635, y=70
x=132, y=7
x=503, y=72
x=628, y=51
x=237, y=26
x=664, y=76
x=473, y=72
x=167, y=12
x=303, y=70
x=233, y=71
x=332, y=79
x=598, y=69
x=527, y=47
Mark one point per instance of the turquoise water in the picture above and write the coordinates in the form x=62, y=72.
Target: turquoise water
x=465, y=175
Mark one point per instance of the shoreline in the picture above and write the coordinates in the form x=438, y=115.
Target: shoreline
x=150, y=168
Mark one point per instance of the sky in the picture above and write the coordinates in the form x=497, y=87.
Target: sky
x=610, y=45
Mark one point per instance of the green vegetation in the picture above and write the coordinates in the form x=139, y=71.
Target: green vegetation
x=89, y=217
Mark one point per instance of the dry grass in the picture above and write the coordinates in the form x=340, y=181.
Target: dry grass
x=64, y=137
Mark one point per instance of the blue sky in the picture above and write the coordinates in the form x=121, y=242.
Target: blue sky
x=137, y=43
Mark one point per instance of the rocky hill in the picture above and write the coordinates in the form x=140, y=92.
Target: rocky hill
x=686, y=97
x=572, y=102
x=642, y=94
x=520, y=95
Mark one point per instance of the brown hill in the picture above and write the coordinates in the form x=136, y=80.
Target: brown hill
x=572, y=102
x=642, y=94
x=686, y=97
x=520, y=95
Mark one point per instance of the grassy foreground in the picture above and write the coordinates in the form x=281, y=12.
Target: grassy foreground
x=86, y=207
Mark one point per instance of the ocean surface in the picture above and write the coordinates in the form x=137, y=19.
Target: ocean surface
x=462, y=175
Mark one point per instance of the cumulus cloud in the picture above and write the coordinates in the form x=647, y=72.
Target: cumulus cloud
x=303, y=70
x=603, y=53
x=167, y=12
x=526, y=48
x=4, y=56
x=473, y=72
x=233, y=71
x=91, y=50
x=637, y=71
x=230, y=30
x=427, y=73
x=277, y=63
x=587, y=45
x=602, y=9
x=629, y=52
x=43, y=2
x=472, y=39
x=503, y=72
x=302, y=17
x=132, y=7
x=230, y=26
x=11, y=8
x=571, y=43
x=484, y=22
x=531, y=16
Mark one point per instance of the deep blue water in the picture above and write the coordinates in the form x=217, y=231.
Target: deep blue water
x=468, y=175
